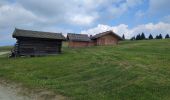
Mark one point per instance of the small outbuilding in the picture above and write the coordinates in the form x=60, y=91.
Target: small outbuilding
x=78, y=40
x=34, y=43
x=106, y=38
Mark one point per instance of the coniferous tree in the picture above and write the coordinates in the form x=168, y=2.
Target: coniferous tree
x=142, y=37
x=157, y=37
x=167, y=36
x=150, y=37
x=133, y=38
x=160, y=36
x=138, y=37
x=123, y=37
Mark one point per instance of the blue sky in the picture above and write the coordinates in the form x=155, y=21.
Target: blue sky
x=128, y=17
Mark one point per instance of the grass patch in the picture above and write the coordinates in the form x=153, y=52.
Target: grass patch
x=5, y=48
x=133, y=70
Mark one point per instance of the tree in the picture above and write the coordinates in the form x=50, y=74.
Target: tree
x=123, y=37
x=157, y=37
x=160, y=36
x=150, y=37
x=138, y=37
x=133, y=38
x=167, y=36
x=142, y=37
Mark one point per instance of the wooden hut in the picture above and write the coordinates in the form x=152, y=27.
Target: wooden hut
x=106, y=38
x=78, y=40
x=32, y=43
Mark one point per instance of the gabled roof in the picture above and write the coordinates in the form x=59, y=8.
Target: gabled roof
x=37, y=34
x=105, y=33
x=77, y=37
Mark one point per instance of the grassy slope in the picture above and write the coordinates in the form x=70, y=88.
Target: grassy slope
x=138, y=70
x=5, y=48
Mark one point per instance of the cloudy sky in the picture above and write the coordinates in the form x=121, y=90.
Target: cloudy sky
x=128, y=17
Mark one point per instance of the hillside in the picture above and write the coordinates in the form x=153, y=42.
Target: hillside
x=133, y=70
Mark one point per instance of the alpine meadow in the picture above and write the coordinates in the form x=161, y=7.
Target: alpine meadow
x=132, y=70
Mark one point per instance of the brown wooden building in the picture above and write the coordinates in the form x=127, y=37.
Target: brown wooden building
x=32, y=43
x=78, y=40
x=106, y=38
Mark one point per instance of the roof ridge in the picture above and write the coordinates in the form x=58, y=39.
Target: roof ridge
x=104, y=33
x=78, y=37
x=37, y=34
x=77, y=34
x=36, y=31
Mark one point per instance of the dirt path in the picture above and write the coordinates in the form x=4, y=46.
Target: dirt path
x=5, y=52
x=7, y=93
x=12, y=91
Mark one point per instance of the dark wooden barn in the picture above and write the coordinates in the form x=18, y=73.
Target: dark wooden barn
x=78, y=40
x=34, y=43
x=106, y=38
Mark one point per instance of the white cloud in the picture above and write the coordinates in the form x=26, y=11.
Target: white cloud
x=3, y=2
x=121, y=29
x=159, y=6
x=157, y=9
x=132, y=3
x=166, y=19
x=121, y=8
x=78, y=12
x=6, y=40
x=52, y=15
x=139, y=14
x=83, y=19
x=31, y=14
x=70, y=12
x=13, y=15
x=49, y=13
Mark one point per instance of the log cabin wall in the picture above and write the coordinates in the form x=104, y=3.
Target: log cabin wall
x=30, y=46
x=78, y=40
x=108, y=39
x=92, y=43
x=74, y=44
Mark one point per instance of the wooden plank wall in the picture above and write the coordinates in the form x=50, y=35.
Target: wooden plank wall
x=107, y=40
x=39, y=47
x=75, y=44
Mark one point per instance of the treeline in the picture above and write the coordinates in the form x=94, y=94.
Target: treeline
x=143, y=37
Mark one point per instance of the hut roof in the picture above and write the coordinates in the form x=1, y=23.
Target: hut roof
x=105, y=33
x=37, y=34
x=77, y=37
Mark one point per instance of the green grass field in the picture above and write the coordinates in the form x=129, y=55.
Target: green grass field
x=133, y=70
x=5, y=48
